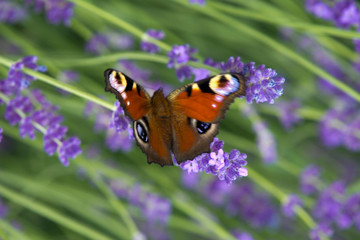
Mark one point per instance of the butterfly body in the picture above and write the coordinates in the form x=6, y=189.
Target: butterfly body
x=184, y=122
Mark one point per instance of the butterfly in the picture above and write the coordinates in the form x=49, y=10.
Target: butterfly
x=183, y=123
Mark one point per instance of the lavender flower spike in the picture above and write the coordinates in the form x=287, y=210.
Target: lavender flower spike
x=263, y=84
x=1, y=131
x=148, y=46
x=227, y=166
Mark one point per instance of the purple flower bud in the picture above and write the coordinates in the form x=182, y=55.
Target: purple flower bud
x=243, y=236
x=291, y=202
x=70, y=149
x=319, y=231
x=11, y=13
x=1, y=134
x=20, y=103
x=97, y=44
x=287, y=112
x=119, y=120
x=212, y=63
x=346, y=13
x=198, y=2
x=200, y=73
x=53, y=136
x=27, y=128
x=3, y=209
x=233, y=65
x=310, y=179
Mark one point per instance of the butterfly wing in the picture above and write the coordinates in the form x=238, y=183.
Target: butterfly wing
x=153, y=135
x=197, y=110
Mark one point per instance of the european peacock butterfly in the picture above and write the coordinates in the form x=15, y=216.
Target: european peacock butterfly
x=183, y=123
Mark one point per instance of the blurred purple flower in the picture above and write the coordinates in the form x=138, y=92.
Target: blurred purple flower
x=254, y=206
x=319, y=231
x=310, y=179
x=154, y=208
x=233, y=65
x=266, y=142
x=53, y=137
x=211, y=63
x=147, y=45
x=98, y=44
x=27, y=128
x=20, y=103
x=329, y=204
x=198, y=2
x=341, y=126
x=11, y=13
x=1, y=134
x=179, y=55
x=346, y=14
x=291, y=202
x=320, y=9
x=190, y=180
x=119, y=121
x=3, y=209
x=227, y=167
x=200, y=73
x=120, y=41
x=57, y=11
x=287, y=113
x=242, y=235
x=70, y=148
x=350, y=213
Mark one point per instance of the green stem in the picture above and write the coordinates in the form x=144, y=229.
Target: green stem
x=110, y=58
x=51, y=214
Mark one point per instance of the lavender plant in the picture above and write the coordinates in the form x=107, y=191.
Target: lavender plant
x=285, y=162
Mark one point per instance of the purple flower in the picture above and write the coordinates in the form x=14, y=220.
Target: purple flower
x=254, y=206
x=147, y=45
x=329, y=203
x=53, y=137
x=120, y=41
x=340, y=125
x=57, y=11
x=320, y=9
x=27, y=128
x=98, y=44
x=3, y=209
x=350, y=213
x=263, y=84
x=319, y=231
x=346, y=14
x=11, y=13
x=200, y=73
x=233, y=65
x=226, y=166
x=20, y=103
x=178, y=57
x=68, y=76
x=288, y=114
x=310, y=179
x=212, y=63
x=291, y=202
x=17, y=80
x=156, y=209
x=119, y=120
x=60, y=11
x=180, y=54
x=352, y=134
x=190, y=180
x=1, y=134
x=199, y=2
x=70, y=148
x=243, y=236
x=265, y=139
x=183, y=72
